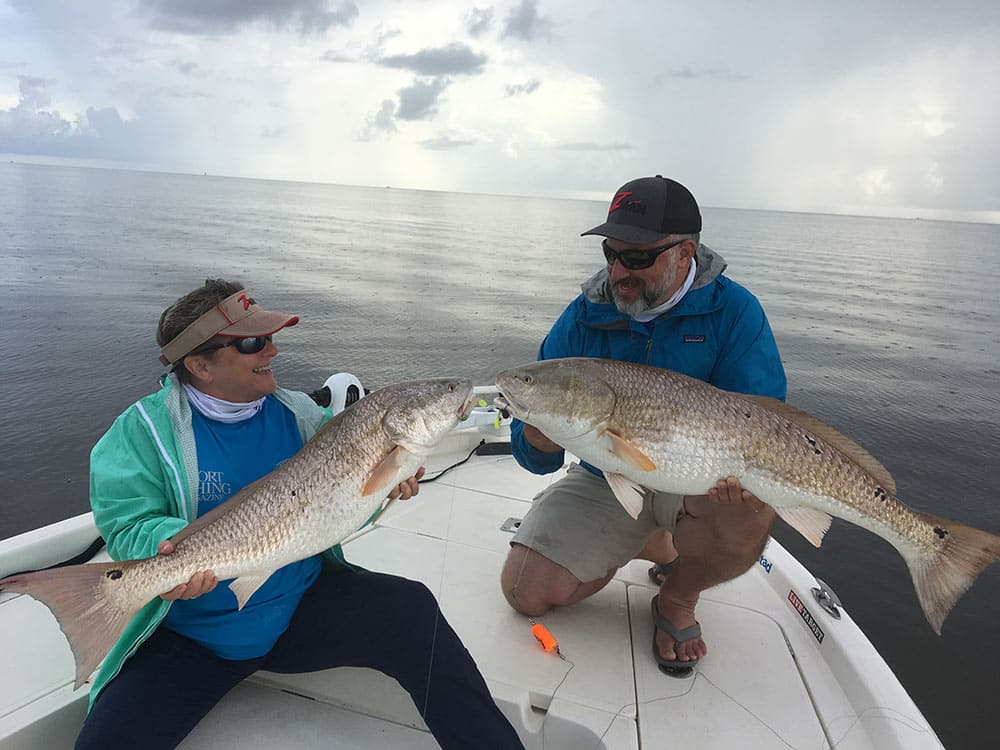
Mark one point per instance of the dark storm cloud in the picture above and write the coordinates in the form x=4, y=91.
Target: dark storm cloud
x=478, y=21
x=454, y=59
x=513, y=89
x=227, y=16
x=31, y=128
x=419, y=100
x=524, y=22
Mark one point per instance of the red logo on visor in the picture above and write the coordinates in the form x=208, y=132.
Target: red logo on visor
x=247, y=301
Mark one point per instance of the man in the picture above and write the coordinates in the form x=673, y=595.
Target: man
x=218, y=423
x=661, y=300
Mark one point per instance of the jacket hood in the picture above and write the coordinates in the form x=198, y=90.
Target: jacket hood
x=597, y=289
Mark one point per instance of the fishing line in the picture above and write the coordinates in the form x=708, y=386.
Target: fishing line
x=437, y=598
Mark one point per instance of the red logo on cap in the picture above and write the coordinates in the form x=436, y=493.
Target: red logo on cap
x=247, y=301
x=619, y=199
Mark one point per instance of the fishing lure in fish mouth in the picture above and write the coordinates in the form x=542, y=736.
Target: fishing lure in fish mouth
x=502, y=410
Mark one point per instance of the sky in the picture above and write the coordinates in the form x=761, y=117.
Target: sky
x=871, y=107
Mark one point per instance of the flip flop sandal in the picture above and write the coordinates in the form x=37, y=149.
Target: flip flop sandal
x=673, y=667
x=660, y=570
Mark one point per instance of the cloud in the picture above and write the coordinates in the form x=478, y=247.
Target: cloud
x=513, y=89
x=336, y=57
x=478, y=21
x=524, y=22
x=586, y=146
x=382, y=122
x=180, y=92
x=31, y=128
x=418, y=101
x=446, y=143
x=184, y=67
x=228, y=16
x=454, y=59
x=719, y=73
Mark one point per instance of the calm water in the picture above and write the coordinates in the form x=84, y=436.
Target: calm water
x=889, y=330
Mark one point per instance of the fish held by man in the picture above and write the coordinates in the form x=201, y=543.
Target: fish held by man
x=314, y=500
x=666, y=431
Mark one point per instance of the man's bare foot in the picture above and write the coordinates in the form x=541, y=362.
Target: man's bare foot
x=680, y=614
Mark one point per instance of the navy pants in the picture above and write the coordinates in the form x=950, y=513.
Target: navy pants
x=345, y=619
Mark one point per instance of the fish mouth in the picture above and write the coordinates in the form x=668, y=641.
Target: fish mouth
x=509, y=405
x=466, y=408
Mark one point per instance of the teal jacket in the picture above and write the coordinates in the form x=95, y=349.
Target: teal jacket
x=718, y=333
x=144, y=489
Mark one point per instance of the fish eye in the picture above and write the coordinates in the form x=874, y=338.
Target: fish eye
x=527, y=380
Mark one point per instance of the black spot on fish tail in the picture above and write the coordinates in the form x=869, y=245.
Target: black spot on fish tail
x=942, y=533
x=114, y=574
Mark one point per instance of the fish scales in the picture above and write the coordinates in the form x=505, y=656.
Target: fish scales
x=669, y=432
x=311, y=502
x=696, y=433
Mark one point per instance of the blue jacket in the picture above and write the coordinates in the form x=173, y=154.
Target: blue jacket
x=718, y=333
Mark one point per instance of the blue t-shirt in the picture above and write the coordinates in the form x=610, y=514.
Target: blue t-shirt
x=231, y=456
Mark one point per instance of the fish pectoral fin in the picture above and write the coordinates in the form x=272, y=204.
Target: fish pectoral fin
x=385, y=470
x=629, y=452
x=809, y=522
x=629, y=493
x=246, y=585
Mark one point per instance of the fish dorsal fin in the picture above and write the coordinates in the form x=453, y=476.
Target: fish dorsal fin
x=245, y=586
x=841, y=442
x=385, y=470
x=629, y=452
x=629, y=494
x=809, y=522
x=216, y=513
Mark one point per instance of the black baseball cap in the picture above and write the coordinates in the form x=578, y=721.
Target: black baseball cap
x=648, y=209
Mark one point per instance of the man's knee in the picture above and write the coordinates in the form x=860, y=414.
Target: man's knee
x=533, y=584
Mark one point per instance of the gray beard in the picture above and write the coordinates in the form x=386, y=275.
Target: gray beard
x=649, y=296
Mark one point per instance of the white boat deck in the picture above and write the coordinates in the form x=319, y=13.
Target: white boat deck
x=768, y=682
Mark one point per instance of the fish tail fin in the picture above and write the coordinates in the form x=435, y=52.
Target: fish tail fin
x=75, y=597
x=944, y=572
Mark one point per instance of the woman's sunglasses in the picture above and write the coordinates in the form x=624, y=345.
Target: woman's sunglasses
x=635, y=260
x=248, y=345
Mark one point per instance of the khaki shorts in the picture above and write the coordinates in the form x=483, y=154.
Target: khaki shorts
x=578, y=523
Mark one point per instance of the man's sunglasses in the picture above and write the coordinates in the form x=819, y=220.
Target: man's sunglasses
x=249, y=345
x=635, y=260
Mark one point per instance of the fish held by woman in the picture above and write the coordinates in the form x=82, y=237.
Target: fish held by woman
x=314, y=500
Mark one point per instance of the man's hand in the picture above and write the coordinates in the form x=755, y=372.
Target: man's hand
x=538, y=441
x=408, y=487
x=200, y=583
